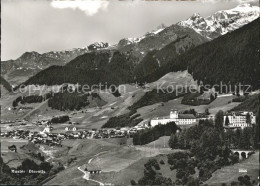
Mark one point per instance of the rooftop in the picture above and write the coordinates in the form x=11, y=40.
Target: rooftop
x=92, y=167
x=238, y=113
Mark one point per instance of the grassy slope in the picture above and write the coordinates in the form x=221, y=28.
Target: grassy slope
x=112, y=158
x=135, y=171
x=180, y=78
x=231, y=173
x=162, y=142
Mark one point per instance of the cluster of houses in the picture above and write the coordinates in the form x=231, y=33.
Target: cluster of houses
x=15, y=134
x=73, y=133
x=54, y=139
x=35, y=137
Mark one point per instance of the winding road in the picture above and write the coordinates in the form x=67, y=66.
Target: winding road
x=86, y=174
x=86, y=177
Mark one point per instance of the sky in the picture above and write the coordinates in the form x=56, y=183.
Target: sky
x=53, y=25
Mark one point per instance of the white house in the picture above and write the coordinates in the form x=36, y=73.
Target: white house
x=179, y=119
x=70, y=129
x=48, y=128
x=238, y=119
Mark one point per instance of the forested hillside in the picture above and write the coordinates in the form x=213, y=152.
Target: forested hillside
x=231, y=58
x=158, y=58
x=90, y=68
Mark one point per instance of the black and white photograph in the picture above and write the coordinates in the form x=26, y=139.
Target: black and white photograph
x=130, y=92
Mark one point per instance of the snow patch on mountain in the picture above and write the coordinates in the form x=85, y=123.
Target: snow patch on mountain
x=129, y=41
x=223, y=21
x=98, y=45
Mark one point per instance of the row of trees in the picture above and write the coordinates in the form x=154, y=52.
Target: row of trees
x=129, y=119
x=190, y=111
x=31, y=99
x=156, y=96
x=68, y=101
x=148, y=135
x=28, y=99
x=193, y=99
x=60, y=119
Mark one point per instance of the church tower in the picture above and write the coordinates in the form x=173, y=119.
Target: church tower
x=174, y=114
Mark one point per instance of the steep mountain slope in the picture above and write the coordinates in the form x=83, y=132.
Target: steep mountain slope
x=231, y=58
x=156, y=40
x=32, y=62
x=158, y=58
x=111, y=67
x=223, y=21
x=19, y=70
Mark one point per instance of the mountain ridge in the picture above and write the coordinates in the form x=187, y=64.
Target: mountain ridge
x=213, y=62
x=29, y=63
x=222, y=21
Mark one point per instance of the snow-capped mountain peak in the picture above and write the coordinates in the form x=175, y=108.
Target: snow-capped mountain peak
x=98, y=45
x=223, y=21
x=128, y=41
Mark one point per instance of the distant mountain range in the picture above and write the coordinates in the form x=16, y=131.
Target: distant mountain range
x=30, y=63
x=136, y=57
x=156, y=40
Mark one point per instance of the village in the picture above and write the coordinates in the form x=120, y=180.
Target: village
x=232, y=120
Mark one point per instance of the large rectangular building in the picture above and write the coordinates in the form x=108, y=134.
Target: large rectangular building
x=239, y=119
x=179, y=119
